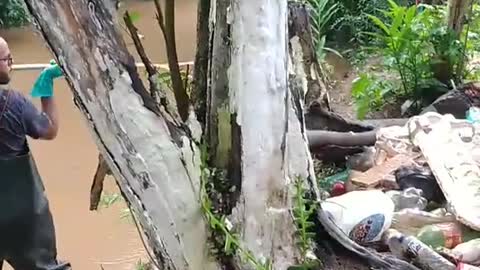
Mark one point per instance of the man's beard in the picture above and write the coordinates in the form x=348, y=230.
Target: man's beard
x=4, y=78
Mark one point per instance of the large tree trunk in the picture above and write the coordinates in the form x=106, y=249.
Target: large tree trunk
x=255, y=122
x=153, y=159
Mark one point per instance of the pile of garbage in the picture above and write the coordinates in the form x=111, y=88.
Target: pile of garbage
x=415, y=193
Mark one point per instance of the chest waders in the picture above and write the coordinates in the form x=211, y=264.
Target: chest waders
x=27, y=232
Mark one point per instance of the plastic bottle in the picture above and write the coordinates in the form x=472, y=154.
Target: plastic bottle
x=448, y=234
x=328, y=182
x=409, y=247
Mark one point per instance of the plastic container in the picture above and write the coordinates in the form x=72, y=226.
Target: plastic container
x=447, y=235
x=362, y=215
x=473, y=115
x=340, y=177
x=410, y=198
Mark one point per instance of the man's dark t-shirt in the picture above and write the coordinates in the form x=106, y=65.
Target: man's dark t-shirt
x=20, y=119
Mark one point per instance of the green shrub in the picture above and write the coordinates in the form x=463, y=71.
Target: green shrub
x=419, y=48
x=12, y=14
x=370, y=93
x=351, y=22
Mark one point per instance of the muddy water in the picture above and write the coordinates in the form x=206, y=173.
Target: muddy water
x=67, y=164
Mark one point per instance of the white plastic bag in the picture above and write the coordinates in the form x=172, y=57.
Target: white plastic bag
x=410, y=221
x=362, y=215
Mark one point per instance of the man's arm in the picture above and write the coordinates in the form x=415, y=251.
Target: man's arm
x=43, y=88
x=49, y=107
x=44, y=124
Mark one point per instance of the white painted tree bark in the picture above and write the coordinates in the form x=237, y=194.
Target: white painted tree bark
x=274, y=150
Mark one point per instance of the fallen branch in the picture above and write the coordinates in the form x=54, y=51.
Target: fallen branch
x=335, y=146
x=97, y=185
x=318, y=138
x=318, y=118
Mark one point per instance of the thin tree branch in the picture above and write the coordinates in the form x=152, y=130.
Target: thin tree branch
x=161, y=21
x=167, y=25
x=151, y=70
x=200, y=69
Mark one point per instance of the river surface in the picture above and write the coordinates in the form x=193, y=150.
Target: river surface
x=67, y=164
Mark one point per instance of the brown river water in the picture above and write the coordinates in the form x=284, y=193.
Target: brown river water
x=67, y=164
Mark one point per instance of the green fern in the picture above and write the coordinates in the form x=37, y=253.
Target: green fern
x=303, y=211
x=302, y=215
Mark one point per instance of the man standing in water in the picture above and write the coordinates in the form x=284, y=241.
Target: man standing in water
x=27, y=232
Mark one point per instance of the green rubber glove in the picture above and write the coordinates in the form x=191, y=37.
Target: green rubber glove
x=43, y=86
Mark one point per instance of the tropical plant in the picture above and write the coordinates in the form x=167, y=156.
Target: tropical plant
x=351, y=21
x=404, y=36
x=321, y=14
x=370, y=93
x=419, y=48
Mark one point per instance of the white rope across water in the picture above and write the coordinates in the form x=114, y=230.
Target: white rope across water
x=42, y=66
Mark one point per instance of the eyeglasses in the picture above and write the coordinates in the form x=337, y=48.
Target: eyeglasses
x=7, y=59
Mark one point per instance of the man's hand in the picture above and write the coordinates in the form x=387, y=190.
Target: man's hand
x=43, y=86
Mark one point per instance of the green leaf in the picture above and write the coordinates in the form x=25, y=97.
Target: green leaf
x=393, y=4
x=228, y=244
x=397, y=23
x=379, y=23
x=360, y=85
x=410, y=15
x=333, y=51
